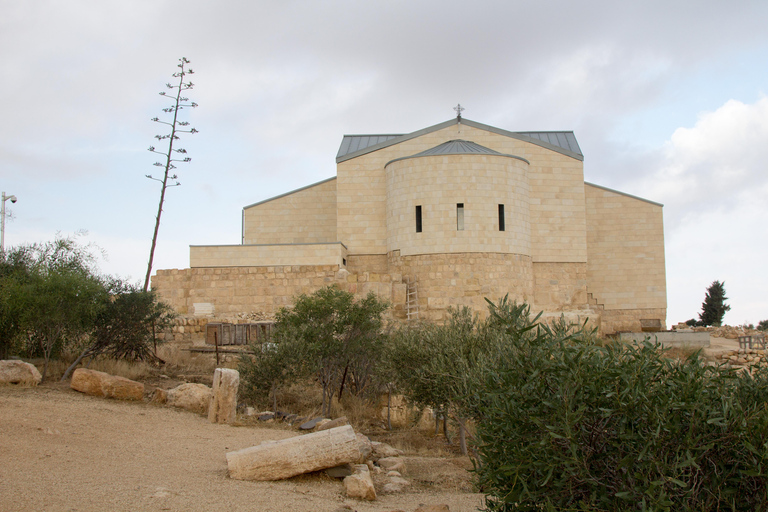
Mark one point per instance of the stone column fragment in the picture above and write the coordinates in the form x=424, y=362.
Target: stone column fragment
x=275, y=460
x=223, y=408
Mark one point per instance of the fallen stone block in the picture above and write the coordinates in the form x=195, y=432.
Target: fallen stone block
x=392, y=464
x=223, y=406
x=381, y=450
x=160, y=396
x=19, y=373
x=360, y=484
x=295, y=456
x=338, y=422
x=192, y=397
x=432, y=508
x=92, y=382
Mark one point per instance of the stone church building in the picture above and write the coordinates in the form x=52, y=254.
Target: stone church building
x=444, y=216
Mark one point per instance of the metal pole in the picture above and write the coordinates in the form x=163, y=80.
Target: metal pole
x=2, y=226
x=2, y=219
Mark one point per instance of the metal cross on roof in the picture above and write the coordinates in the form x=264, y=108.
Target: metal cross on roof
x=458, y=108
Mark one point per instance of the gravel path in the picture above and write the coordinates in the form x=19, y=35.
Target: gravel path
x=63, y=451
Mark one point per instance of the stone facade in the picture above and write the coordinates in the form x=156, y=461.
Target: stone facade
x=463, y=210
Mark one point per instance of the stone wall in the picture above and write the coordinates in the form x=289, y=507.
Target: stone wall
x=202, y=256
x=438, y=183
x=465, y=279
x=628, y=320
x=240, y=289
x=242, y=292
x=357, y=263
x=307, y=215
x=560, y=286
x=626, y=269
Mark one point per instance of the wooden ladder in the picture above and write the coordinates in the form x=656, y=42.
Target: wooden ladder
x=411, y=299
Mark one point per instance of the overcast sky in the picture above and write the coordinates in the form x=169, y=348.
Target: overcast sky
x=666, y=98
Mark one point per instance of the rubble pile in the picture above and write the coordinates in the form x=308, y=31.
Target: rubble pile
x=725, y=331
x=743, y=358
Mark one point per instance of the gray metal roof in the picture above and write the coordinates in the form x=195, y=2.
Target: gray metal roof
x=352, y=143
x=458, y=147
x=565, y=140
x=355, y=145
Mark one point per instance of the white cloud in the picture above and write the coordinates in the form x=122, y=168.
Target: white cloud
x=713, y=182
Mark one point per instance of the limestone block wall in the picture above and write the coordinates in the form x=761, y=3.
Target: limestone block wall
x=626, y=268
x=557, y=200
x=438, y=183
x=464, y=279
x=264, y=290
x=358, y=263
x=201, y=256
x=306, y=215
x=628, y=320
x=559, y=287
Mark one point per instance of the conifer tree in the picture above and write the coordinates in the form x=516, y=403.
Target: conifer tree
x=713, y=308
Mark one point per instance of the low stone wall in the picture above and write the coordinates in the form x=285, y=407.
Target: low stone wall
x=670, y=338
x=242, y=292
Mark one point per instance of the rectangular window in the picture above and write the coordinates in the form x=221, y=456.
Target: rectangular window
x=460, y=217
x=418, y=219
x=501, y=217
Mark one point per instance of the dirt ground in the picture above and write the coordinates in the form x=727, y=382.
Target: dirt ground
x=63, y=451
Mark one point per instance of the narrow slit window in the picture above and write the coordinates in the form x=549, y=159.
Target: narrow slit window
x=501, y=218
x=460, y=217
x=418, y=219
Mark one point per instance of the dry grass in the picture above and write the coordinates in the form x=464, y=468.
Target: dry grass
x=130, y=370
x=183, y=361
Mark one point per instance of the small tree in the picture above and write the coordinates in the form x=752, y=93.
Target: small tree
x=327, y=334
x=125, y=326
x=14, y=274
x=713, y=308
x=61, y=297
x=176, y=126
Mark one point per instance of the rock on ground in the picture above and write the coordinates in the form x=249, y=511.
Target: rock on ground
x=192, y=397
x=338, y=422
x=392, y=464
x=92, y=382
x=360, y=484
x=364, y=445
x=19, y=373
x=382, y=450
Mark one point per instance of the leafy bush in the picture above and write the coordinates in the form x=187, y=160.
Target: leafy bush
x=568, y=425
x=53, y=299
x=762, y=325
x=327, y=334
x=445, y=366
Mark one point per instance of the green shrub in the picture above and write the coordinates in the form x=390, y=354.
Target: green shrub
x=575, y=426
x=327, y=334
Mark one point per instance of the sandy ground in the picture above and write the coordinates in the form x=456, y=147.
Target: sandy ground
x=63, y=451
x=720, y=345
